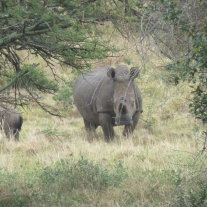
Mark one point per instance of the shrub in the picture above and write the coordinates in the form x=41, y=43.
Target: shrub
x=192, y=192
x=64, y=95
x=31, y=77
x=66, y=183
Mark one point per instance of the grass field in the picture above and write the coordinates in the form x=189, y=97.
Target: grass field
x=55, y=165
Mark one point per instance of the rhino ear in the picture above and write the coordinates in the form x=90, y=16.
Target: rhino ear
x=134, y=72
x=111, y=73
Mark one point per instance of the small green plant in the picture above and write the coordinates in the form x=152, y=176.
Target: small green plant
x=192, y=192
x=63, y=183
x=64, y=95
x=53, y=132
x=83, y=173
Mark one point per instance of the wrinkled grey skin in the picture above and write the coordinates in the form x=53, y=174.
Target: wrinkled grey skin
x=11, y=122
x=109, y=97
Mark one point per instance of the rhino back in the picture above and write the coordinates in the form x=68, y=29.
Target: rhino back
x=90, y=93
x=86, y=86
x=13, y=119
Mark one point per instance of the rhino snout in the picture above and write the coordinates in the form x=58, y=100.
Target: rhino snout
x=123, y=120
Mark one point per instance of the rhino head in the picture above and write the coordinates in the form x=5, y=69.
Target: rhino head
x=124, y=97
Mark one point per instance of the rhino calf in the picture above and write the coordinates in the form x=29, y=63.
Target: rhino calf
x=109, y=97
x=11, y=122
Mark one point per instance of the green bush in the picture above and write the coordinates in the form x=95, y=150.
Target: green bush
x=192, y=192
x=31, y=77
x=83, y=173
x=66, y=183
x=65, y=95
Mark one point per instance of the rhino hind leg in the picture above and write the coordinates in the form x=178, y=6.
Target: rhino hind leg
x=128, y=129
x=8, y=133
x=107, y=126
x=16, y=134
x=89, y=126
x=91, y=129
x=18, y=129
x=12, y=134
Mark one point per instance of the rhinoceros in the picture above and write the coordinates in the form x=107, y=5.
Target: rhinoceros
x=108, y=97
x=11, y=122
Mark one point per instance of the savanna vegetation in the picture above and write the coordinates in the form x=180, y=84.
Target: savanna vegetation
x=44, y=45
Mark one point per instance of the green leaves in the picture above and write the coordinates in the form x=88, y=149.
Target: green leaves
x=56, y=30
x=171, y=12
x=32, y=78
x=64, y=95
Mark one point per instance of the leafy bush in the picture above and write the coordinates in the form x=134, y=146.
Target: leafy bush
x=83, y=173
x=192, y=193
x=65, y=183
x=64, y=94
x=31, y=77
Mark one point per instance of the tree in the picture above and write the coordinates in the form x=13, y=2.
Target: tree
x=56, y=30
x=179, y=29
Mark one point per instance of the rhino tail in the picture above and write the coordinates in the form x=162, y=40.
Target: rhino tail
x=20, y=123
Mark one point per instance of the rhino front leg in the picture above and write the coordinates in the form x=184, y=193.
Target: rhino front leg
x=107, y=127
x=128, y=129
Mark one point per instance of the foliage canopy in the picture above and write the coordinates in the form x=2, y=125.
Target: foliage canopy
x=55, y=30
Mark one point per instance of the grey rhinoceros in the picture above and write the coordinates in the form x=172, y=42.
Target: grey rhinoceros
x=11, y=122
x=109, y=97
